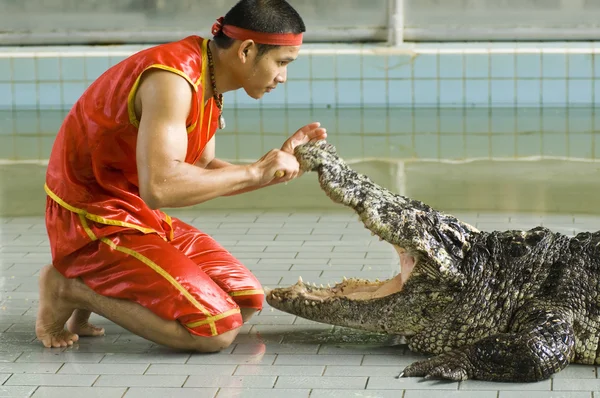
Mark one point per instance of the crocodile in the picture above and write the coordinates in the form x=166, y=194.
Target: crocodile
x=507, y=306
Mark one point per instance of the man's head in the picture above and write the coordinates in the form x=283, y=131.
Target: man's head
x=262, y=37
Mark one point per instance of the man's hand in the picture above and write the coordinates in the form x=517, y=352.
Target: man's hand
x=265, y=168
x=280, y=165
x=309, y=133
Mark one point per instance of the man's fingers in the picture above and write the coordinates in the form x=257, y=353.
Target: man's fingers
x=308, y=136
x=320, y=135
x=309, y=133
x=310, y=130
x=315, y=132
x=310, y=126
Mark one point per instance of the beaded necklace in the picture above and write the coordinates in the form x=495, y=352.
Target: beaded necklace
x=217, y=97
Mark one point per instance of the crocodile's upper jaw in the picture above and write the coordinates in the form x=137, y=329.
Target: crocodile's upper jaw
x=394, y=218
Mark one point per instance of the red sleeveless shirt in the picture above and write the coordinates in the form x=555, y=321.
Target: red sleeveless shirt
x=92, y=172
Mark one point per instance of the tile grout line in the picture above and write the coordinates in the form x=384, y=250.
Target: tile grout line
x=59, y=368
x=187, y=377
x=96, y=380
x=9, y=377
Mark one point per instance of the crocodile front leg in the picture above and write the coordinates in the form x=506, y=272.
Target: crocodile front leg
x=540, y=343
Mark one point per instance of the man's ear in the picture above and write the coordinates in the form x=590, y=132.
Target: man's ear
x=245, y=50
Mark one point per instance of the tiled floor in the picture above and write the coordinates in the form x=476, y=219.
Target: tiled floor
x=276, y=355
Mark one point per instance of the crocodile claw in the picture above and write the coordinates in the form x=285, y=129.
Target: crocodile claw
x=445, y=366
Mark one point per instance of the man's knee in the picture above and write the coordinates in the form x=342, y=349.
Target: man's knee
x=213, y=343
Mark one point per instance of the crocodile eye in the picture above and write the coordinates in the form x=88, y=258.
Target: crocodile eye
x=533, y=238
x=518, y=249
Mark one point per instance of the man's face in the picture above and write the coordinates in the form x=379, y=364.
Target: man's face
x=265, y=73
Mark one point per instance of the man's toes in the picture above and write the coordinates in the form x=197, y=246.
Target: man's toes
x=73, y=337
x=87, y=329
x=53, y=342
x=63, y=339
x=47, y=342
x=95, y=331
x=58, y=343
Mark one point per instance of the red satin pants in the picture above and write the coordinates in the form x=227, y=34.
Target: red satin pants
x=190, y=278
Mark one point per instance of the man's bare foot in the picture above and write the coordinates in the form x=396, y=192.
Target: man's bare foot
x=79, y=324
x=54, y=310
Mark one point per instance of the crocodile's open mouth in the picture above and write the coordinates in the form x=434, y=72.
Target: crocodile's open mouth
x=351, y=289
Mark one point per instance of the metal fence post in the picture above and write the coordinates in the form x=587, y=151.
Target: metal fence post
x=396, y=22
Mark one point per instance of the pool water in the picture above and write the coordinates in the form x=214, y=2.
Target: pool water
x=501, y=159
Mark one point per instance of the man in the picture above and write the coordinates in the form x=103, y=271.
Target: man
x=141, y=138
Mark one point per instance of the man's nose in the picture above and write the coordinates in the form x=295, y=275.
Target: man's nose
x=282, y=77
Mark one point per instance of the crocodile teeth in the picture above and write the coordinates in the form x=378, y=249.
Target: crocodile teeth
x=300, y=280
x=306, y=302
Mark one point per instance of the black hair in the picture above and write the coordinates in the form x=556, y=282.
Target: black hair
x=265, y=16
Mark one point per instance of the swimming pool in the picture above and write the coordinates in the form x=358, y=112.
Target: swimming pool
x=503, y=159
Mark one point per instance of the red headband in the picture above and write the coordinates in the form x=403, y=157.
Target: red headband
x=276, y=39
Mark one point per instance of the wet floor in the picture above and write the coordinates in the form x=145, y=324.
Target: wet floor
x=276, y=354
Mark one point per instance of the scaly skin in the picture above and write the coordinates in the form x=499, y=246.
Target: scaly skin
x=498, y=306
x=401, y=221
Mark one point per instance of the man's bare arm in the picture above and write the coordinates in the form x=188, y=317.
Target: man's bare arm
x=218, y=164
x=165, y=180
x=209, y=161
